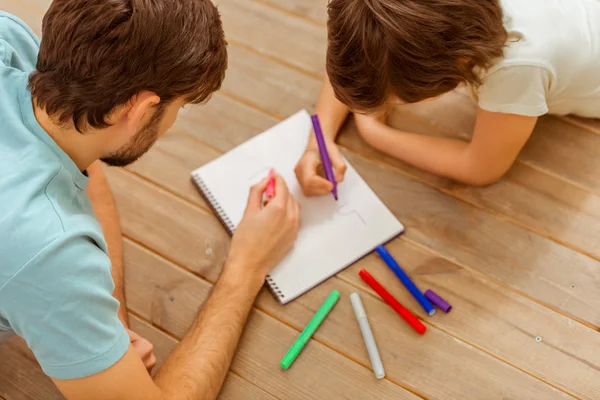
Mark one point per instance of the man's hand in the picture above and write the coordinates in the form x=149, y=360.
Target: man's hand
x=197, y=367
x=266, y=233
x=309, y=169
x=144, y=349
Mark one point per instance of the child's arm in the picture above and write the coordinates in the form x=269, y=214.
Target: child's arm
x=497, y=140
x=332, y=114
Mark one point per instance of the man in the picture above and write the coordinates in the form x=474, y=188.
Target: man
x=109, y=79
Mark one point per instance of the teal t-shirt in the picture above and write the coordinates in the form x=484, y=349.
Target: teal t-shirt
x=55, y=274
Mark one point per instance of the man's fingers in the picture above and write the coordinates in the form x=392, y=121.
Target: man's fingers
x=256, y=195
x=133, y=337
x=151, y=363
x=282, y=192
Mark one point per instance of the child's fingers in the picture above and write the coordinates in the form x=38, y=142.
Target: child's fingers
x=317, y=186
x=338, y=163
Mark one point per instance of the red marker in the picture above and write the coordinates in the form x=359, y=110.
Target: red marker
x=395, y=304
x=270, y=191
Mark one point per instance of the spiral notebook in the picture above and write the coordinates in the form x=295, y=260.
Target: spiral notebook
x=333, y=234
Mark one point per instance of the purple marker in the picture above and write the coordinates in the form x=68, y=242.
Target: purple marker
x=438, y=301
x=324, y=155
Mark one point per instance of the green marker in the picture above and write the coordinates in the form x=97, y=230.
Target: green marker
x=310, y=329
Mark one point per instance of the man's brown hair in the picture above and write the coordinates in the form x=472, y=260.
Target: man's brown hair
x=96, y=55
x=414, y=49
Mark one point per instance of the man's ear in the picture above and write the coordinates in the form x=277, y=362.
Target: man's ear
x=139, y=106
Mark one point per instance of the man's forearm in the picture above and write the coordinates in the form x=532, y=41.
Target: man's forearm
x=197, y=367
x=106, y=212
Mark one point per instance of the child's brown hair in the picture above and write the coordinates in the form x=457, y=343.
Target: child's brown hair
x=414, y=49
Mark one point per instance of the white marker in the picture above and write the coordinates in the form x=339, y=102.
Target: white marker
x=367, y=334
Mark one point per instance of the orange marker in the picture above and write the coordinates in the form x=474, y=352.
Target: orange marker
x=270, y=191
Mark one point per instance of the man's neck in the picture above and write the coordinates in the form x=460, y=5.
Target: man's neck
x=83, y=149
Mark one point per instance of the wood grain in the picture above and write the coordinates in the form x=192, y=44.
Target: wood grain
x=586, y=123
x=21, y=377
x=224, y=122
x=267, y=85
x=531, y=198
x=557, y=147
x=304, y=45
x=175, y=299
x=516, y=348
x=313, y=10
x=565, y=150
x=277, y=79
x=234, y=388
x=513, y=255
x=170, y=298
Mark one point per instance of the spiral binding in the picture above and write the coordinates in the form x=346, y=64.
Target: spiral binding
x=214, y=203
x=229, y=224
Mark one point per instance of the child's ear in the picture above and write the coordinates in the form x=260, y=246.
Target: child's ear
x=139, y=106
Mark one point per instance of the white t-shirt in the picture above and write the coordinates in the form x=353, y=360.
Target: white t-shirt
x=555, y=65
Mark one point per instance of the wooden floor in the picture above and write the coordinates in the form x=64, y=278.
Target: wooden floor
x=520, y=260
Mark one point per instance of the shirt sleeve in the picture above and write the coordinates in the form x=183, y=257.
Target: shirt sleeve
x=520, y=90
x=19, y=46
x=61, y=303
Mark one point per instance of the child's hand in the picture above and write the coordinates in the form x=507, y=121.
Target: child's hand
x=309, y=170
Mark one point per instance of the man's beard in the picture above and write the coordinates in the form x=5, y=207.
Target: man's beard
x=140, y=144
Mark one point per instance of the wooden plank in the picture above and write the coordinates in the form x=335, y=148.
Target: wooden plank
x=224, y=121
x=528, y=196
x=284, y=91
x=171, y=297
x=28, y=11
x=515, y=347
x=249, y=76
x=546, y=149
x=241, y=19
x=483, y=309
x=267, y=85
x=21, y=377
x=176, y=296
x=511, y=254
x=565, y=150
x=473, y=238
x=313, y=10
x=235, y=387
x=586, y=123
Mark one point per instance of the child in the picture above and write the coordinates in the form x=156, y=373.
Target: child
x=523, y=59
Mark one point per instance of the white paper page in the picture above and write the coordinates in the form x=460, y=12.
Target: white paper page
x=333, y=234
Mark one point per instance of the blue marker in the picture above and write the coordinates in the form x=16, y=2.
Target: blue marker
x=406, y=281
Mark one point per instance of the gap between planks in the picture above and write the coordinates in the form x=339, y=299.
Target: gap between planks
x=428, y=183
x=292, y=13
x=320, y=77
x=257, y=308
x=416, y=244
x=569, y=120
x=177, y=341
x=408, y=174
x=385, y=165
x=365, y=291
